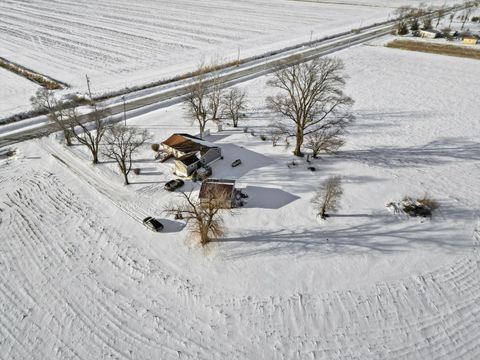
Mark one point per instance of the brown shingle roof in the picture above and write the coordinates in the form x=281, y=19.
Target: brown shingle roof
x=185, y=143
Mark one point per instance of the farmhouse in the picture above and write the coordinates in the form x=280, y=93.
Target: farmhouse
x=190, y=153
x=429, y=34
x=221, y=191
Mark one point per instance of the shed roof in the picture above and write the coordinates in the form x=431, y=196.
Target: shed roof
x=217, y=189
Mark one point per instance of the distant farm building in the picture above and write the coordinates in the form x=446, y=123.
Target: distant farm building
x=429, y=34
x=470, y=40
x=222, y=192
x=190, y=153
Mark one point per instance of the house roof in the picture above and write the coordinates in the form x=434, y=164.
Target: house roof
x=186, y=143
x=188, y=159
x=217, y=189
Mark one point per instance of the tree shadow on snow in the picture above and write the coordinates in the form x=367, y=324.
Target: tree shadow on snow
x=436, y=152
x=385, y=234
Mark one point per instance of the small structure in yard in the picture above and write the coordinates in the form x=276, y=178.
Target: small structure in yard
x=429, y=34
x=470, y=40
x=221, y=191
x=190, y=153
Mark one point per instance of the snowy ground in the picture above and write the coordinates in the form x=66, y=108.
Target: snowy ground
x=15, y=92
x=121, y=45
x=81, y=277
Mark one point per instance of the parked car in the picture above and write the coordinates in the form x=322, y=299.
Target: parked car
x=153, y=224
x=173, y=185
x=236, y=163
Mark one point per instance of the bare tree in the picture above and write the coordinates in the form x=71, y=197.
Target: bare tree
x=440, y=14
x=45, y=101
x=121, y=143
x=214, y=98
x=234, y=102
x=204, y=218
x=88, y=131
x=427, y=22
x=403, y=14
x=275, y=136
x=469, y=8
x=324, y=141
x=311, y=98
x=451, y=17
x=204, y=99
x=328, y=196
x=197, y=104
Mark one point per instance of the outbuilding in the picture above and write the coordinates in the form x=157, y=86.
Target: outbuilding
x=429, y=33
x=222, y=192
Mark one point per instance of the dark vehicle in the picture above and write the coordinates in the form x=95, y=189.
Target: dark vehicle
x=173, y=185
x=153, y=224
x=236, y=163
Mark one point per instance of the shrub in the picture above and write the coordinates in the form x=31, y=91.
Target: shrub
x=422, y=207
x=156, y=147
x=137, y=171
x=328, y=196
x=263, y=137
x=414, y=25
x=428, y=202
x=402, y=28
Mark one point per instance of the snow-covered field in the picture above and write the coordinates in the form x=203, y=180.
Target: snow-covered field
x=121, y=44
x=82, y=278
x=15, y=93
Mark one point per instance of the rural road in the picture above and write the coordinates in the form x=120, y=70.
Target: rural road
x=175, y=92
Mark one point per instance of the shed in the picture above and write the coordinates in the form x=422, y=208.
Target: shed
x=429, y=33
x=470, y=40
x=219, y=190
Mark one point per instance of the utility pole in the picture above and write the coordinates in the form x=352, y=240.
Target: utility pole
x=90, y=93
x=311, y=35
x=124, y=111
x=238, y=56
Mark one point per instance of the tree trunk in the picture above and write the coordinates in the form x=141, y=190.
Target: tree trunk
x=68, y=138
x=299, y=143
x=95, y=156
x=125, y=177
x=323, y=214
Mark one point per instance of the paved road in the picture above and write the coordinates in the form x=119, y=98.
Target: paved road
x=175, y=92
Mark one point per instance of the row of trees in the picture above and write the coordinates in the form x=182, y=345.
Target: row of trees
x=92, y=130
x=311, y=104
x=413, y=18
x=207, y=101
